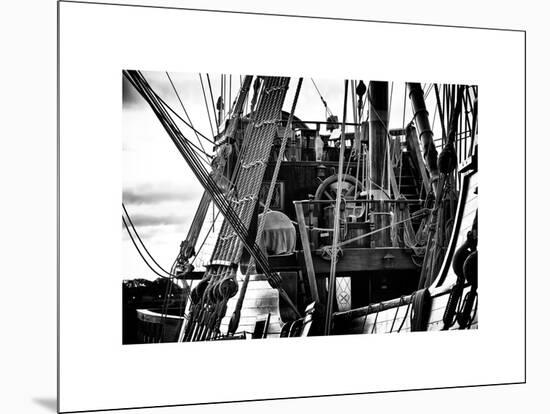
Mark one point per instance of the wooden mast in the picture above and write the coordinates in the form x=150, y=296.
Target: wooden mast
x=425, y=133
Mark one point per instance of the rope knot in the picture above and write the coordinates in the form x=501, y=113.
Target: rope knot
x=326, y=253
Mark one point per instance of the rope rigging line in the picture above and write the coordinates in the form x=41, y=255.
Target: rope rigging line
x=206, y=106
x=405, y=316
x=185, y=111
x=336, y=232
x=199, y=150
x=141, y=241
x=213, y=104
x=428, y=90
x=142, y=256
x=396, y=312
x=206, y=236
x=169, y=275
x=327, y=109
x=186, y=124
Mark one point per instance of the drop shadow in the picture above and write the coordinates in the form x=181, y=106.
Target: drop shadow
x=47, y=402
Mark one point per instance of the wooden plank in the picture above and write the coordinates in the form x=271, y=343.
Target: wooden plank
x=307, y=251
x=393, y=182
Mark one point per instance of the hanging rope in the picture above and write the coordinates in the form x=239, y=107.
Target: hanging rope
x=125, y=218
x=415, y=241
x=327, y=109
x=185, y=111
x=336, y=232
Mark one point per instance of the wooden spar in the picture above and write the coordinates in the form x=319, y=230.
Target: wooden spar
x=393, y=182
x=374, y=308
x=198, y=220
x=389, y=304
x=307, y=251
x=425, y=133
x=378, y=126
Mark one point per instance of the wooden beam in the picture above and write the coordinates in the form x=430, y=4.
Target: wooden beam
x=422, y=123
x=394, y=186
x=354, y=260
x=307, y=251
x=364, y=260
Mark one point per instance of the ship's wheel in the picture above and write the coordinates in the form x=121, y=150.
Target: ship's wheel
x=351, y=190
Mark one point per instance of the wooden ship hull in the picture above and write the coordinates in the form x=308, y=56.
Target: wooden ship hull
x=311, y=248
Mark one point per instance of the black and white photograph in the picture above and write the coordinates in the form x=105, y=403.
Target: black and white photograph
x=269, y=206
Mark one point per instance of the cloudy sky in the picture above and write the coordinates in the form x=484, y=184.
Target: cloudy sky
x=160, y=192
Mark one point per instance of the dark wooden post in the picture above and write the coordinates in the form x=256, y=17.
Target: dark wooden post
x=378, y=127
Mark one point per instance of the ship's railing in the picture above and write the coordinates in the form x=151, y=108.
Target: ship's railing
x=356, y=231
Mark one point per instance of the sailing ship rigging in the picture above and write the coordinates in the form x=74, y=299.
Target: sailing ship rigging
x=333, y=226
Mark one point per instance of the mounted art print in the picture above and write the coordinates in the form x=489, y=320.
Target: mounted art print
x=279, y=216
